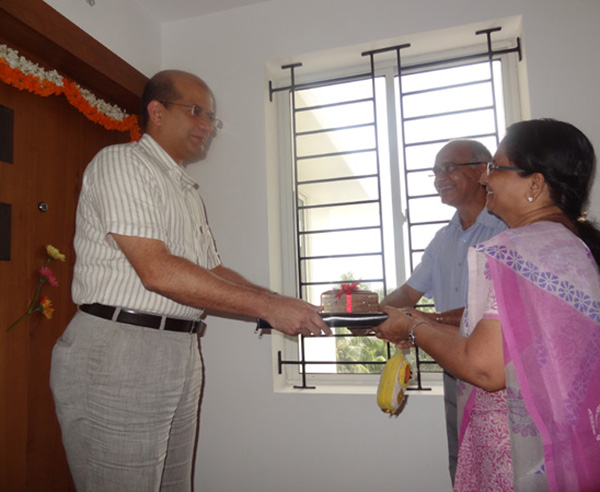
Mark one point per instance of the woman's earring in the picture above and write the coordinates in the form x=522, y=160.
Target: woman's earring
x=529, y=199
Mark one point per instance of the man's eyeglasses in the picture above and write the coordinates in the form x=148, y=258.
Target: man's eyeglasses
x=199, y=112
x=491, y=167
x=450, y=167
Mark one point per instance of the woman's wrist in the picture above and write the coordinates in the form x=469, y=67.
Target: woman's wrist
x=411, y=334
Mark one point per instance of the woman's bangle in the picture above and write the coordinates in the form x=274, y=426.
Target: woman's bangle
x=411, y=335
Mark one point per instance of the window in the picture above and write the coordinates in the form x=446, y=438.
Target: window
x=360, y=148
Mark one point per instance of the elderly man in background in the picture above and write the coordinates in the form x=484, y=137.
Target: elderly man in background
x=442, y=273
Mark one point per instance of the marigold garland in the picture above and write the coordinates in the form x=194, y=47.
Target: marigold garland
x=23, y=74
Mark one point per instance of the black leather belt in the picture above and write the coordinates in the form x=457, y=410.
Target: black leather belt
x=142, y=319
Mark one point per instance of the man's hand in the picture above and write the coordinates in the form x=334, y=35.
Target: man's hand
x=296, y=317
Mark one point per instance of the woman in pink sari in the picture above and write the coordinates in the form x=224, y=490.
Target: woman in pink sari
x=528, y=354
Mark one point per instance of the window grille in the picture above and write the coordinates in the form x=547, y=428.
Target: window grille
x=338, y=180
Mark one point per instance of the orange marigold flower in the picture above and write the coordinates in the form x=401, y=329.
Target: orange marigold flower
x=45, y=88
x=46, y=308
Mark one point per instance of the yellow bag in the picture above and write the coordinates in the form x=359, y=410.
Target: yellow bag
x=394, y=379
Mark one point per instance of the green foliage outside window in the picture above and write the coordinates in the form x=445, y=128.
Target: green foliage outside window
x=363, y=350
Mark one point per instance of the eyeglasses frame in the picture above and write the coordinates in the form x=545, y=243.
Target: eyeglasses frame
x=454, y=165
x=491, y=167
x=198, y=112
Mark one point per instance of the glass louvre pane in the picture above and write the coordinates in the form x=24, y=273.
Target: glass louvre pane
x=416, y=257
x=336, y=269
x=338, y=166
x=344, y=242
x=499, y=99
x=335, y=116
x=352, y=190
x=490, y=143
x=421, y=182
x=361, y=349
x=429, y=209
x=450, y=126
x=447, y=100
x=347, y=140
x=444, y=77
x=361, y=215
x=317, y=350
x=335, y=93
x=422, y=156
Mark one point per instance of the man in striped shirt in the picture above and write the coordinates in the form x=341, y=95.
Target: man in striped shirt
x=127, y=373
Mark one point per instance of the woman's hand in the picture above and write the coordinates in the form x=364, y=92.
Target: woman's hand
x=396, y=328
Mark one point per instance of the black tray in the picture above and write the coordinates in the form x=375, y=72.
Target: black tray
x=342, y=320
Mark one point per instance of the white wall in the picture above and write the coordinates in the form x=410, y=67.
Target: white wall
x=251, y=439
x=121, y=26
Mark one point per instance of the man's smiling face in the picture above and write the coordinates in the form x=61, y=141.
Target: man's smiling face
x=456, y=185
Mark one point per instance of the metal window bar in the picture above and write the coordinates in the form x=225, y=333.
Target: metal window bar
x=298, y=183
x=490, y=55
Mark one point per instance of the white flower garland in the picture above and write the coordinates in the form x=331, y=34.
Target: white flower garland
x=27, y=67
x=110, y=110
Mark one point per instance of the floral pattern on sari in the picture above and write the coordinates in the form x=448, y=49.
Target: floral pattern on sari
x=546, y=280
x=547, y=287
x=518, y=417
x=484, y=457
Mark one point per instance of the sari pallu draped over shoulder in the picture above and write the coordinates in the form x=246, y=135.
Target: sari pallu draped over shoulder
x=547, y=288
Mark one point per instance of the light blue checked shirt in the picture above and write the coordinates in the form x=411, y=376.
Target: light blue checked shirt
x=442, y=273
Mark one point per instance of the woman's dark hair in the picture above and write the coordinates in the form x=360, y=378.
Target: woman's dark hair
x=565, y=157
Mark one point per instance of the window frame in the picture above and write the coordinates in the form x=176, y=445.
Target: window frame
x=288, y=376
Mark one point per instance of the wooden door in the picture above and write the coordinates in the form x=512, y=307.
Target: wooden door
x=53, y=143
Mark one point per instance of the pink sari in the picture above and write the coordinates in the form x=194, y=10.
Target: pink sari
x=543, y=285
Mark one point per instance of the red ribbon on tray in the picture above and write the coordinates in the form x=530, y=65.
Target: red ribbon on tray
x=347, y=289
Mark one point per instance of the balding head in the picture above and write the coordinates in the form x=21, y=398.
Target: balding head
x=476, y=150
x=163, y=87
x=458, y=166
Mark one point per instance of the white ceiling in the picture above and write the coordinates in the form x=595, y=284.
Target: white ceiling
x=170, y=10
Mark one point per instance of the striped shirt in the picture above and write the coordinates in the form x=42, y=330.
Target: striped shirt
x=136, y=189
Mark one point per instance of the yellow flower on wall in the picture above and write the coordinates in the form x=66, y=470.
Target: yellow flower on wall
x=54, y=253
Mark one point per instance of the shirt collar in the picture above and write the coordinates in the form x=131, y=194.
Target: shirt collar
x=484, y=218
x=166, y=162
x=488, y=219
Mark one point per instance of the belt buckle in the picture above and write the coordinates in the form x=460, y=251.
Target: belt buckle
x=201, y=327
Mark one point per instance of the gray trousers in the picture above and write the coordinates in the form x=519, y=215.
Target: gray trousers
x=127, y=399
x=451, y=422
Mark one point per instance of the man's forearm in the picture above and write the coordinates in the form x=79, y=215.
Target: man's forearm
x=452, y=317
x=233, y=276
x=403, y=296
